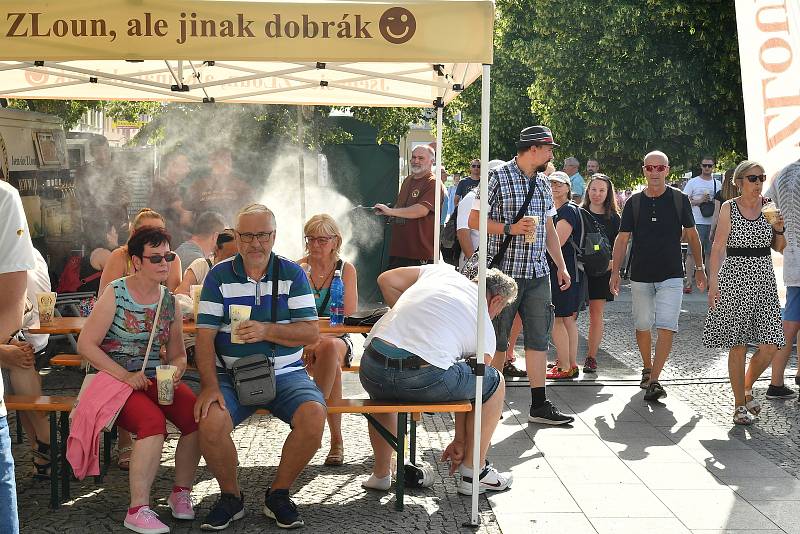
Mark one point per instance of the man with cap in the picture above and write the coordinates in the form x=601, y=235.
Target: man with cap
x=509, y=186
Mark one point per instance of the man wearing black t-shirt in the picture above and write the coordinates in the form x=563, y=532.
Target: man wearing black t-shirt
x=468, y=183
x=656, y=265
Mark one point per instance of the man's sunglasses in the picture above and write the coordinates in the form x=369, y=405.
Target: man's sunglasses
x=476, y=165
x=656, y=168
x=155, y=259
x=707, y=165
x=753, y=178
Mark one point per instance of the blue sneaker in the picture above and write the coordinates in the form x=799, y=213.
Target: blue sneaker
x=280, y=507
x=228, y=508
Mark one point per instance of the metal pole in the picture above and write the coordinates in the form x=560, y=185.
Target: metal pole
x=437, y=208
x=301, y=169
x=482, y=310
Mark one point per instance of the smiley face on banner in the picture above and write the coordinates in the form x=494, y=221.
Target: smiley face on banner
x=398, y=25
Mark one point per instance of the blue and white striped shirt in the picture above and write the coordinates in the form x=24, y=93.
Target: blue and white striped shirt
x=227, y=283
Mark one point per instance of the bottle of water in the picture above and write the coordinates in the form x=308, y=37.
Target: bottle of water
x=337, y=299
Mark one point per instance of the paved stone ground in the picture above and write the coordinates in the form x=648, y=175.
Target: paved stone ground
x=329, y=499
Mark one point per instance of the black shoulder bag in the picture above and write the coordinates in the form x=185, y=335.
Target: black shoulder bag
x=254, y=376
x=470, y=267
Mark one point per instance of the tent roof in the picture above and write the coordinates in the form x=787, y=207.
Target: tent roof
x=367, y=53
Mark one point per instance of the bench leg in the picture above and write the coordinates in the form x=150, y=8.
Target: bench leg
x=65, y=467
x=400, y=485
x=54, y=465
x=18, y=421
x=412, y=442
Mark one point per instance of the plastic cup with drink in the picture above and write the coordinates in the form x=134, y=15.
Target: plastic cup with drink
x=771, y=212
x=239, y=313
x=195, y=291
x=165, y=375
x=46, y=302
x=530, y=237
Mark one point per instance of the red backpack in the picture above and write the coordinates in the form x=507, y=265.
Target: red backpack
x=70, y=280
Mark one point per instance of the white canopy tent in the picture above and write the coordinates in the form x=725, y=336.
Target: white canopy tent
x=419, y=53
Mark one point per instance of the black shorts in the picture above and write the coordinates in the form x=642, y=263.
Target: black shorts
x=598, y=287
x=570, y=301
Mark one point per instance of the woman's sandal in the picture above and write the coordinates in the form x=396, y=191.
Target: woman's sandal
x=41, y=471
x=752, y=404
x=741, y=416
x=645, y=378
x=124, y=458
x=335, y=456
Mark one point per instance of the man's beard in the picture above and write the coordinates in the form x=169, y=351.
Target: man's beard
x=542, y=167
x=417, y=169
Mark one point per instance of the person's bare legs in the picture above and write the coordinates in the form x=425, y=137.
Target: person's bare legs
x=596, y=326
x=536, y=364
x=187, y=456
x=145, y=459
x=736, y=373
x=308, y=424
x=36, y=425
x=644, y=339
x=327, y=373
x=560, y=338
x=663, y=346
x=758, y=364
x=516, y=329
x=571, y=327
x=217, y=448
x=781, y=356
x=380, y=447
x=490, y=416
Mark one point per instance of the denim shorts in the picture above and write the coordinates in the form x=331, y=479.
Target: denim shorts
x=426, y=384
x=657, y=303
x=791, y=312
x=535, y=307
x=291, y=390
x=9, y=523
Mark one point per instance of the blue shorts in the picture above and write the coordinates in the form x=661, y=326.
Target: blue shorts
x=292, y=390
x=791, y=312
x=426, y=384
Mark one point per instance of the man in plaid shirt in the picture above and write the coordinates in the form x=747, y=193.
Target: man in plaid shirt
x=524, y=261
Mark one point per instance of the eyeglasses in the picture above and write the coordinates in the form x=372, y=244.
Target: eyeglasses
x=753, y=178
x=155, y=259
x=247, y=237
x=707, y=165
x=656, y=168
x=322, y=241
x=476, y=165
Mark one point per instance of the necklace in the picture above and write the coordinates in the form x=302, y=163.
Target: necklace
x=319, y=288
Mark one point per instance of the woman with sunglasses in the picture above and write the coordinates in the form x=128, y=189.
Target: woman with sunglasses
x=325, y=359
x=114, y=340
x=742, y=295
x=601, y=202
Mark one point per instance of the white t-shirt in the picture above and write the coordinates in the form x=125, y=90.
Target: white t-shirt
x=16, y=249
x=38, y=282
x=436, y=318
x=200, y=269
x=462, y=221
x=695, y=189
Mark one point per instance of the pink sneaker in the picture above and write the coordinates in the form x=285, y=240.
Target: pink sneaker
x=145, y=521
x=181, y=505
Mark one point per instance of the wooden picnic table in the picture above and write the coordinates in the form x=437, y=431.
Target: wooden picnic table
x=74, y=325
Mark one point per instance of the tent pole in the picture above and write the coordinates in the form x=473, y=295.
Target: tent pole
x=482, y=310
x=301, y=170
x=437, y=208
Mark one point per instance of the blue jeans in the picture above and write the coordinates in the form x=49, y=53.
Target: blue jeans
x=9, y=523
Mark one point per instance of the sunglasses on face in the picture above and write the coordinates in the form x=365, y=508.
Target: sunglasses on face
x=155, y=259
x=476, y=165
x=753, y=178
x=324, y=240
x=656, y=168
x=707, y=165
x=247, y=237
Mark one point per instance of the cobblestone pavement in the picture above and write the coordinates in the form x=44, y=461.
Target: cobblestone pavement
x=329, y=499
x=699, y=376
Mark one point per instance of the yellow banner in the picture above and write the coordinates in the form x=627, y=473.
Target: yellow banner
x=419, y=31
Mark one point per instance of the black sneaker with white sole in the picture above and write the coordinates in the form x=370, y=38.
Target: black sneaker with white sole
x=654, y=392
x=548, y=414
x=227, y=509
x=780, y=392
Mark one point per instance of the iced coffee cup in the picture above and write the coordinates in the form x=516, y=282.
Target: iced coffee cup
x=239, y=313
x=164, y=382
x=531, y=237
x=771, y=212
x=194, y=291
x=46, y=302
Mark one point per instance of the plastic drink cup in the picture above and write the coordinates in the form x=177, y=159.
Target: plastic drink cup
x=770, y=211
x=531, y=237
x=239, y=313
x=195, y=291
x=46, y=302
x=164, y=383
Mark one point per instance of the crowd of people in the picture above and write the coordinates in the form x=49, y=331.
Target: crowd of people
x=536, y=286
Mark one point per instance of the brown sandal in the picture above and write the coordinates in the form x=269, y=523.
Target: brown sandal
x=335, y=456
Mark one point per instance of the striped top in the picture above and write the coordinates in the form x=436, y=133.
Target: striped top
x=127, y=337
x=227, y=283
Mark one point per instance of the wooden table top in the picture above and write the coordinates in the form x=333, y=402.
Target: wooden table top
x=74, y=325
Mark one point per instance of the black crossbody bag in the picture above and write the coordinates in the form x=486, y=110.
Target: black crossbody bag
x=253, y=376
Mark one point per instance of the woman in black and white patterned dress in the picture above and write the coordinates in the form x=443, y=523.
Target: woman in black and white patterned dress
x=742, y=294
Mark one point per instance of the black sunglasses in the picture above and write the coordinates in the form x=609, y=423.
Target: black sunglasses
x=476, y=166
x=158, y=258
x=753, y=178
x=706, y=164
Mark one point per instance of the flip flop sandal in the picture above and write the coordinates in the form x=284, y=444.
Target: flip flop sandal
x=124, y=458
x=41, y=471
x=335, y=456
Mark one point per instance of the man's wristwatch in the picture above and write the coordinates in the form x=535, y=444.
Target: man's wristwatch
x=507, y=229
x=699, y=267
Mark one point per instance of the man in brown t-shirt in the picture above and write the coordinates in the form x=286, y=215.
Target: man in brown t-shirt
x=412, y=228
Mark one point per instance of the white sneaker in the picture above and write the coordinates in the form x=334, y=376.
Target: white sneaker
x=379, y=484
x=490, y=480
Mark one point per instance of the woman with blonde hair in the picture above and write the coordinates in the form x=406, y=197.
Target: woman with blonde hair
x=325, y=359
x=742, y=293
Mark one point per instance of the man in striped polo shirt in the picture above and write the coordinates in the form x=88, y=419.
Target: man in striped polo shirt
x=247, y=279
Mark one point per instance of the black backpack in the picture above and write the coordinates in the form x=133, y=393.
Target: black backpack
x=448, y=241
x=593, y=250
